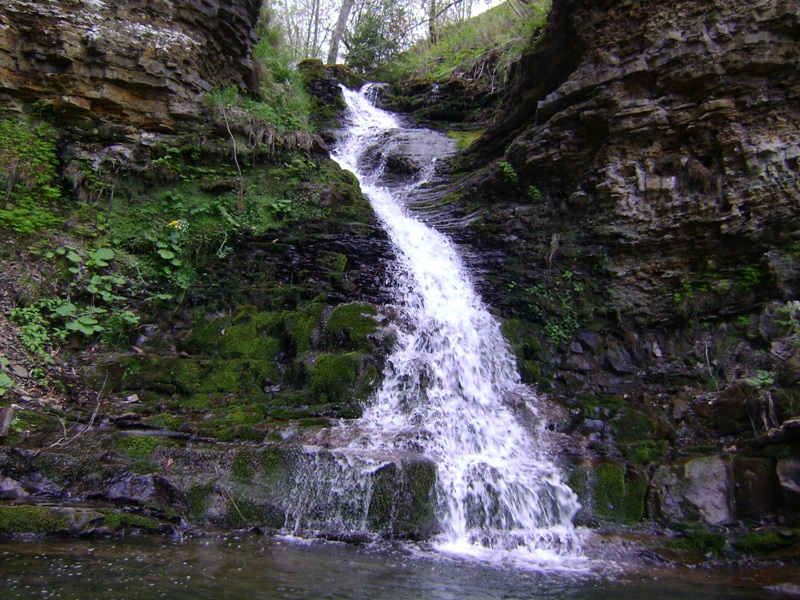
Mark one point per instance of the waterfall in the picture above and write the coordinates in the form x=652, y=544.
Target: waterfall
x=451, y=390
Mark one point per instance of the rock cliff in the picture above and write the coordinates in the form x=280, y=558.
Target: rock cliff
x=638, y=225
x=125, y=67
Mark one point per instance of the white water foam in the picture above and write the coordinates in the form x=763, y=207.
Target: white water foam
x=451, y=390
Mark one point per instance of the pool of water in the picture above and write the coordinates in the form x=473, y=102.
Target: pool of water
x=256, y=567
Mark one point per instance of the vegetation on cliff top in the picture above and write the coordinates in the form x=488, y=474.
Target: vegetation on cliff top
x=480, y=48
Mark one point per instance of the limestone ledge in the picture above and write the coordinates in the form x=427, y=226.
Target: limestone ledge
x=132, y=66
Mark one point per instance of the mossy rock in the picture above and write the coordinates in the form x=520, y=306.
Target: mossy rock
x=759, y=543
x=198, y=501
x=116, y=520
x=32, y=519
x=349, y=328
x=647, y=452
x=633, y=424
x=334, y=376
x=402, y=505
x=244, y=513
x=608, y=493
x=699, y=542
x=301, y=325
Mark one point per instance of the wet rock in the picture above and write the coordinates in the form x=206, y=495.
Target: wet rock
x=609, y=492
x=11, y=489
x=788, y=470
x=142, y=489
x=696, y=490
x=755, y=490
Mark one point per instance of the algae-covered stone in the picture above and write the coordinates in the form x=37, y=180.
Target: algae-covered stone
x=403, y=499
x=607, y=492
x=349, y=327
x=29, y=519
x=334, y=376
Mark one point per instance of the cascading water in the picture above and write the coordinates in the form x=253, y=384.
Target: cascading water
x=450, y=389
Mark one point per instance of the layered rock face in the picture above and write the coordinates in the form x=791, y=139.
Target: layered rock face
x=667, y=136
x=639, y=225
x=139, y=65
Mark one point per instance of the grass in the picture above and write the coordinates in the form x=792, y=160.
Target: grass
x=483, y=46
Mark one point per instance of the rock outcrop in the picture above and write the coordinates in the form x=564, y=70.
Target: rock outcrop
x=125, y=67
x=638, y=224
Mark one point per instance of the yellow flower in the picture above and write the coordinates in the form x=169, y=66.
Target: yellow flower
x=180, y=225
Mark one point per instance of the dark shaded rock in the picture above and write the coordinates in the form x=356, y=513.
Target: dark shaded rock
x=755, y=490
x=788, y=470
x=142, y=489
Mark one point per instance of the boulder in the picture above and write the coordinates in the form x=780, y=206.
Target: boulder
x=695, y=490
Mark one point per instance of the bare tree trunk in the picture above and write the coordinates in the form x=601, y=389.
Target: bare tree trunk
x=433, y=30
x=315, y=16
x=338, y=30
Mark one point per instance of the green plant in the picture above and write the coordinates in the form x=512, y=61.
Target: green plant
x=6, y=383
x=534, y=193
x=761, y=380
x=28, y=172
x=507, y=169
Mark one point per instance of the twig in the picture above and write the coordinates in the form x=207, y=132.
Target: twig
x=63, y=441
x=240, y=204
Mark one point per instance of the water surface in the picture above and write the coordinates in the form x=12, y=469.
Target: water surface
x=251, y=566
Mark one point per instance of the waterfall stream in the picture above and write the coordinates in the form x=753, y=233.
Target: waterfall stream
x=451, y=390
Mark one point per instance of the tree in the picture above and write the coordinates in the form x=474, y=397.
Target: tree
x=339, y=30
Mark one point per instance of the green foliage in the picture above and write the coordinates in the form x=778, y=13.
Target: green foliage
x=534, y=193
x=28, y=174
x=749, y=277
x=6, y=383
x=761, y=380
x=701, y=542
x=557, y=302
x=91, y=303
x=283, y=103
x=762, y=542
x=507, y=169
x=484, y=46
x=376, y=37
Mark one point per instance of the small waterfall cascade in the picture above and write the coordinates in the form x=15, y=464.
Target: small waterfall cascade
x=451, y=390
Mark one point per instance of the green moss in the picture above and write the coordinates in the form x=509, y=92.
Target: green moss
x=115, y=520
x=333, y=376
x=630, y=426
x=137, y=447
x=701, y=542
x=349, y=327
x=244, y=513
x=301, y=324
x=197, y=501
x=243, y=467
x=246, y=341
x=609, y=491
x=761, y=542
x=608, y=494
x=31, y=519
x=165, y=420
x=647, y=452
